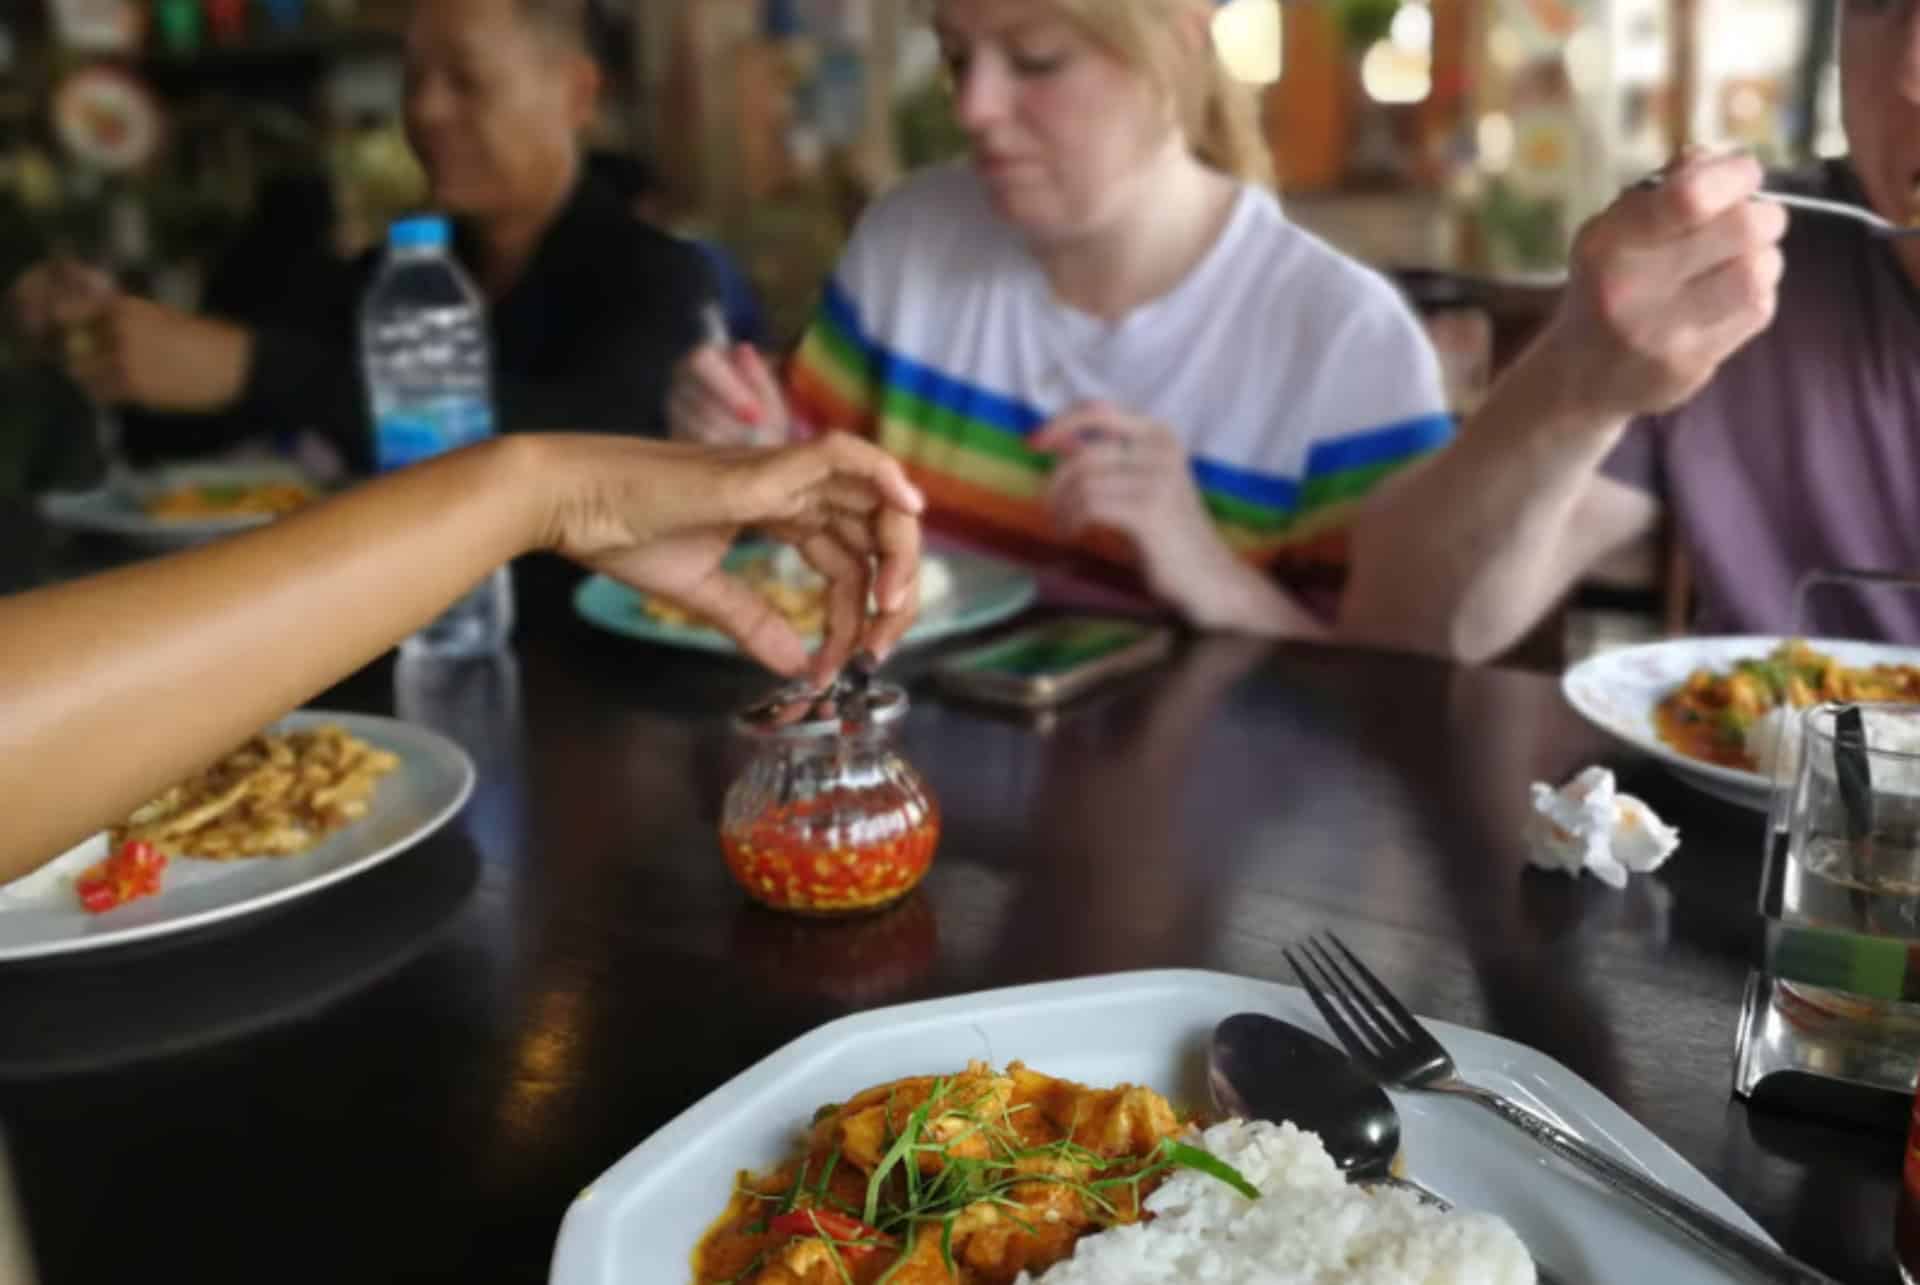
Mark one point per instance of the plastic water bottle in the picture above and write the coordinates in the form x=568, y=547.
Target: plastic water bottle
x=423, y=342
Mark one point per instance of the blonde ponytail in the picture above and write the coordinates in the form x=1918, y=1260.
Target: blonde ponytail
x=1220, y=116
x=1227, y=133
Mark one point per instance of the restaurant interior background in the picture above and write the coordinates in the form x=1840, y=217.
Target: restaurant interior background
x=1454, y=143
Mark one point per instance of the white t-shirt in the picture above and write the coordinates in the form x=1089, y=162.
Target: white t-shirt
x=1296, y=377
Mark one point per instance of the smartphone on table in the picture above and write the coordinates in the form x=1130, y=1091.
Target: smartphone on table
x=1051, y=663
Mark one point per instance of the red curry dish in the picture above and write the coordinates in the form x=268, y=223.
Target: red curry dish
x=1708, y=716
x=959, y=1180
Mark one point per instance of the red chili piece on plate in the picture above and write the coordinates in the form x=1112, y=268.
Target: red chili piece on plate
x=131, y=873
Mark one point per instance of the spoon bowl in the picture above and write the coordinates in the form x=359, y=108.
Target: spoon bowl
x=1260, y=1068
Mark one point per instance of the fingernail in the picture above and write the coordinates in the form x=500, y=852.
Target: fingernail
x=751, y=414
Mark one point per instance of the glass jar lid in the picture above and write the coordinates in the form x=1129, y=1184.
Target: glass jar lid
x=801, y=711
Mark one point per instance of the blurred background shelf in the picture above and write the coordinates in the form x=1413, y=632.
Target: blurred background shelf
x=262, y=58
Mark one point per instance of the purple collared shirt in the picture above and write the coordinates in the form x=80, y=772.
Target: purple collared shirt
x=1803, y=454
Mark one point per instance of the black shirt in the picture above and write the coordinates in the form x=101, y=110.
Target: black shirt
x=586, y=340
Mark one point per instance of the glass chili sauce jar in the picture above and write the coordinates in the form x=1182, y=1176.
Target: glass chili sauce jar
x=828, y=818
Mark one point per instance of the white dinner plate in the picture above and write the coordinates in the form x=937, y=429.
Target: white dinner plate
x=40, y=914
x=119, y=510
x=1616, y=691
x=641, y=1219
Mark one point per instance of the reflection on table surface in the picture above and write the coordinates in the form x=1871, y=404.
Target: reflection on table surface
x=16, y=1254
x=232, y=980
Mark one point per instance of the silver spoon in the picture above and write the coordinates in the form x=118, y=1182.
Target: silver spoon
x=1261, y=1068
x=858, y=682
x=1813, y=205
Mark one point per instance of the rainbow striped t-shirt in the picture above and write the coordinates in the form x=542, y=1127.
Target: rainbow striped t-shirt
x=1297, y=378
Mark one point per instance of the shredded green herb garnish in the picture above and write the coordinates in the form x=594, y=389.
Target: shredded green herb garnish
x=826, y=1173
x=759, y=1260
x=1206, y=1162
x=839, y=1265
x=792, y=1196
x=913, y=1237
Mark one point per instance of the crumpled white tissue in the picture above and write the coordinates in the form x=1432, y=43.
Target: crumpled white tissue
x=1587, y=824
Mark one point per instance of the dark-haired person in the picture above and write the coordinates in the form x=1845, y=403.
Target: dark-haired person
x=589, y=309
x=639, y=187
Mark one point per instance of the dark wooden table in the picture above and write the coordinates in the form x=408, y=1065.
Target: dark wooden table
x=409, y=1076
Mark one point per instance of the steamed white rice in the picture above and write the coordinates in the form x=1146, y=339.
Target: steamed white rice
x=1309, y=1227
x=1774, y=741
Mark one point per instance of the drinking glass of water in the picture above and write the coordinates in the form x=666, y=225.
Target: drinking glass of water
x=1843, y=900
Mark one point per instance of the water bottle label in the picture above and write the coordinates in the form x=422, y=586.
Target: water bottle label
x=405, y=436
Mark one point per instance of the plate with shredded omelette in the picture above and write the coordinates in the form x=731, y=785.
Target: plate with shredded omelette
x=315, y=799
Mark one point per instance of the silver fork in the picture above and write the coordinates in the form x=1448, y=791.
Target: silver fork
x=1391, y=1045
x=1874, y=223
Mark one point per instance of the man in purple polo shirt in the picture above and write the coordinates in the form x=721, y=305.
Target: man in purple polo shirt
x=1758, y=384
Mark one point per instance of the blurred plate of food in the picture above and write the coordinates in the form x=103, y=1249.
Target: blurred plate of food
x=1715, y=711
x=184, y=505
x=960, y=592
x=313, y=800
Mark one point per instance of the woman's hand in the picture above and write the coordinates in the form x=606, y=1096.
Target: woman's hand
x=1132, y=475
x=727, y=397
x=662, y=518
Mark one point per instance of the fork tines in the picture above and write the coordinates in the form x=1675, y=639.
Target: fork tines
x=1377, y=1030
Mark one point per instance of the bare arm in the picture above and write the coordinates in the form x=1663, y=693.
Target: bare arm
x=114, y=687
x=125, y=350
x=1464, y=555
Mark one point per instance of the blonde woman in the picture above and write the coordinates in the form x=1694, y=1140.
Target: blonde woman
x=1101, y=335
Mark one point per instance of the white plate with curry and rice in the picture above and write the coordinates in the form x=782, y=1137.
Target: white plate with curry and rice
x=1622, y=692
x=643, y=1218
x=399, y=783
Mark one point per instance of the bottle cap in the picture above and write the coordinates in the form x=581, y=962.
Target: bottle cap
x=425, y=232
